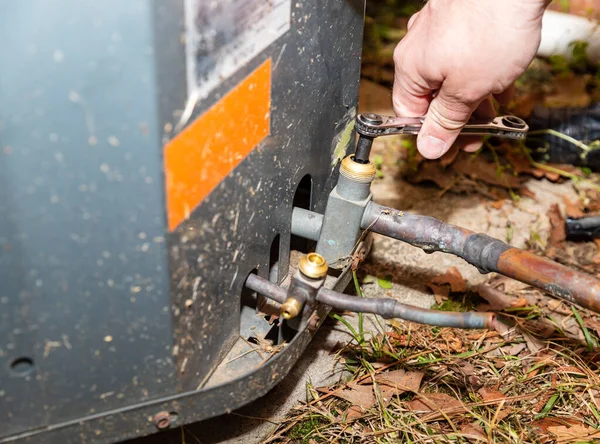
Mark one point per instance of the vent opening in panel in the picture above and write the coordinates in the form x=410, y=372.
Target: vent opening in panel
x=274, y=259
x=303, y=199
x=259, y=322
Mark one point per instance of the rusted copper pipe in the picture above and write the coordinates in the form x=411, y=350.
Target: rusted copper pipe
x=385, y=307
x=486, y=253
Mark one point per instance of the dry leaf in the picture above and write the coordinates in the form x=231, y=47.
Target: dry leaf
x=479, y=168
x=435, y=402
x=397, y=382
x=570, y=91
x=526, y=192
x=592, y=324
x=490, y=395
x=543, y=424
x=474, y=432
x=534, y=344
x=519, y=162
x=430, y=171
x=359, y=395
x=557, y=222
x=449, y=282
x=514, y=350
x=575, y=433
x=466, y=368
x=550, y=175
x=508, y=285
x=354, y=412
x=573, y=210
x=498, y=204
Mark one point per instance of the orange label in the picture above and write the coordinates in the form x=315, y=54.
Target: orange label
x=210, y=148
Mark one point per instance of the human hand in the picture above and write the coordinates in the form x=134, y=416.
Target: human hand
x=455, y=56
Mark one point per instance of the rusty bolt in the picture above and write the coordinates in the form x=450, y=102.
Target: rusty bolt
x=162, y=420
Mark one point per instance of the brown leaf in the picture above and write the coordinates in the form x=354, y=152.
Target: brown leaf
x=397, y=382
x=519, y=162
x=592, y=324
x=514, y=350
x=534, y=344
x=359, y=395
x=557, y=222
x=444, y=284
x=354, y=412
x=578, y=432
x=466, y=368
x=573, y=210
x=569, y=91
x=508, y=285
x=524, y=104
x=526, y=192
x=479, y=168
x=431, y=171
x=435, y=402
x=542, y=425
x=550, y=175
x=474, y=432
x=488, y=394
x=498, y=204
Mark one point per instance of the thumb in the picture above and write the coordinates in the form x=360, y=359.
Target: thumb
x=445, y=118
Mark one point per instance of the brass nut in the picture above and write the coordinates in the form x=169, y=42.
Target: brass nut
x=291, y=308
x=361, y=172
x=313, y=265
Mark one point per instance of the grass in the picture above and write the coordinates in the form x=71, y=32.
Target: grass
x=532, y=393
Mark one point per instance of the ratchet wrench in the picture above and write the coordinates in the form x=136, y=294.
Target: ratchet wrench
x=374, y=125
x=371, y=125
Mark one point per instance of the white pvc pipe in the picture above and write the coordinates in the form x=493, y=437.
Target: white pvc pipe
x=559, y=30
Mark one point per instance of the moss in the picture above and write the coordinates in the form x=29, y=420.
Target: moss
x=305, y=429
x=451, y=305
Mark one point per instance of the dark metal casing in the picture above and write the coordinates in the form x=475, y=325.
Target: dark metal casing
x=97, y=332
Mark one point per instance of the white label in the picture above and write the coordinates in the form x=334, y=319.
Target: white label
x=224, y=35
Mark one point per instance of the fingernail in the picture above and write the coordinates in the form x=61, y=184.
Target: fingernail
x=431, y=147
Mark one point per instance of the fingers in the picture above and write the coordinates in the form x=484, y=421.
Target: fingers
x=470, y=144
x=409, y=98
x=445, y=118
x=411, y=21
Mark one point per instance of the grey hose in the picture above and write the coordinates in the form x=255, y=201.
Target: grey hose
x=387, y=308
x=390, y=308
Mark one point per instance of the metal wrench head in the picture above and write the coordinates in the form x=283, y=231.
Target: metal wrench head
x=375, y=125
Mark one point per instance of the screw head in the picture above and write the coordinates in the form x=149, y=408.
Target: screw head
x=373, y=118
x=162, y=420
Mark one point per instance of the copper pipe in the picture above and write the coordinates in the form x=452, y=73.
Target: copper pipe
x=486, y=253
